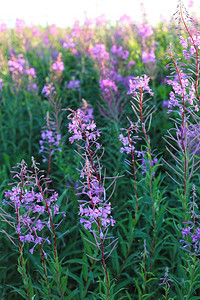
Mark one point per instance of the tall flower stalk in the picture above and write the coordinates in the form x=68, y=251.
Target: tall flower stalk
x=49, y=212
x=33, y=207
x=96, y=212
x=184, y=103
x=138, y=87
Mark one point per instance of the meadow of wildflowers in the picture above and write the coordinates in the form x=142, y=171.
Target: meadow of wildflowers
x=100, y=160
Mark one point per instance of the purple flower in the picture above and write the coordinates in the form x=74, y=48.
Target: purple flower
x=131, y=63
x=137, y=83
x=145, y=30
x=50, y=137
x=74, y=85
x=30, y=216
x=120, y=52
x=95, y=209
x=58, y=65
x=16, y=64
x=3, y=27
x=86, y=130
x=69, y=43
x=32, y=88
x=107, y=85
x=99, y=52
x=148, y=56
x=48, y=90
x=46, y=40
x=184, y=42
x=184, y=89
x=30, y=72
x=166, y=279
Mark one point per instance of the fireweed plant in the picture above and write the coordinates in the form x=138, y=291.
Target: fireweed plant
x=141, y=160
x=184, y=103
x=129, y=236
x=95, y=209
x=34, y=210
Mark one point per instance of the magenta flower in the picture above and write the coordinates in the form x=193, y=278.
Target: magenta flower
x=120, y=52
x=48, y=90
x=17, y=64
x=3, y=27
x=95, y=212
x=58, y=65
x=74, y=85
x=30, y=207
x=107, y=85
x=145, y=30
x=50, y=138
x=99, y=52
x=139, y=83
x=30, y=72
x=148, y=56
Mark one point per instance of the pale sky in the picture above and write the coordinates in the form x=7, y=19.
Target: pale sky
x=63, y=13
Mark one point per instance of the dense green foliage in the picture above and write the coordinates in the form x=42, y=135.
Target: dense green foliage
x=148, y=227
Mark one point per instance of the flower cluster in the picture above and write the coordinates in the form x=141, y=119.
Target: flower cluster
x=58, y=65
x=139, y=83
x=101, y=20
x=32, y=207
x=189, y=45
x=107, y=85
x=151, y=163
x=120, y=52
x=145, y=30
x=83, y=128
x=148, y=56
x=3, y=27
x=17, y=65
x=50, y=140
x=96, y=207
x=182, y=88
x=30, y=72
x=48, y=90
x=95, y=212
x=99, y=52
x=74, y=85
x=69, y=43
x=166, y=280
x=32, y=87
x=128, y=145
